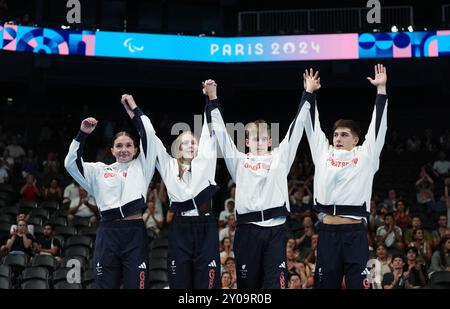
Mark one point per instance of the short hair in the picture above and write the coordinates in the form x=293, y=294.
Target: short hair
x=50, y=225
x=389, y=214
x=346, y=123
x=398, y=255
x=229, y=259
x=256, y=126
x=416, y=252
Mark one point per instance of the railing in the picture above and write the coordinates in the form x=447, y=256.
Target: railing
x=323, y=20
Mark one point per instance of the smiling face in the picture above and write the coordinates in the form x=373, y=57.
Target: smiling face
x=343, y=138
x=123, y=149
x=188, y=146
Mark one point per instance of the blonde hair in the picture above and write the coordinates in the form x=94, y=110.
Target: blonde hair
x=176, y=150
x=256, y=127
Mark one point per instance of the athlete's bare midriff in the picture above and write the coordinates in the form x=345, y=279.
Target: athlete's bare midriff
x=330, y=219
x=133, y=217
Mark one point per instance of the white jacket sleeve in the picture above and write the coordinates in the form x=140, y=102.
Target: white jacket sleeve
x=207, y=144
x=147, y=135
x=229, y=151
x=83, y=173
x=288, y=146
x=318, y=143
x=374, y=139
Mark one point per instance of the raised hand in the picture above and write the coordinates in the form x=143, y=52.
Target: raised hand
x=380, y=79
x=129, y=104
x=311, y=81
x=88, y=125
x=210, y=89
x=128, y=101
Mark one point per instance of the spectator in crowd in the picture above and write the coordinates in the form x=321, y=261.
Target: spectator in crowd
x=390, y=234
x=22, y=215
x=300, y=200
x=415, y=271
x=51, y=167
x=226, y=280
x=440, y=261
x=306, y=276
x=47, y=244
x=15, y=150
x=401, y=215
x=53, y=192
x=230, y=267
x=439, y=233
x=71, y=192
x=8, y=160
x=30, y=164
x=304, y=242
x=153, y=221
x=422, y=245
x=290, y=243
x=384, y=258
x=294, y=281
x=229, y=230
x=29, y=191
x=311, y=258
x=416, y=222
x=442, y=165
x=228, y=210
x=20, y=241
x=83, y=207
x=391, y=200
x=292, y=257
x=227, y=250
x=424, y=188
x=232, y=190
x=395, y=279
x=376, y=216
x=158, y=194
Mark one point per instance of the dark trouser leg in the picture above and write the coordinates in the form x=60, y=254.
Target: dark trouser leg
x=179, y=261
x=248, y=251
x=207, y=259
x=106, y=261
x=135, y=258
x=274, y=263
x=329, y=265
x=356, y=255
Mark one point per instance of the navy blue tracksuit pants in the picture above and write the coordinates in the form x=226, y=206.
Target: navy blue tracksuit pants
x=121, y=252
x=193, y=260
x=342, y=249
x=260, y=256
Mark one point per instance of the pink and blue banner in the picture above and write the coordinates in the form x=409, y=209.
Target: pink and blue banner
x=225, y=50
